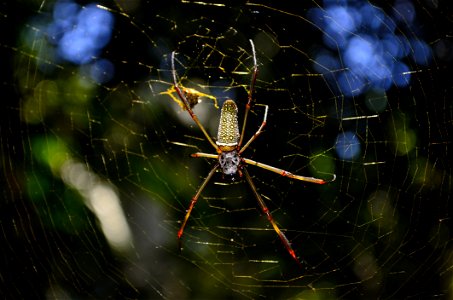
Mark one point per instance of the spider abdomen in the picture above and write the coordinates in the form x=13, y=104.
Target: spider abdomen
x=228, y=132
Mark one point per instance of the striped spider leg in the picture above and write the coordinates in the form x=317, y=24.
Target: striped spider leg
x=229, y=151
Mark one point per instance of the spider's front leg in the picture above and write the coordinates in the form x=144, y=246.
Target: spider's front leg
x=187, y=104
x=250, y=94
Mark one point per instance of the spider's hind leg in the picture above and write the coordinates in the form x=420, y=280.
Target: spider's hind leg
x=193, y=202
x=265, y=210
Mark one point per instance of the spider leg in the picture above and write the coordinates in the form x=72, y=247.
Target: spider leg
x=193, y=201
x=288, y=174
x=258, y=132
x=206, y=155
x=250, y=94
x=265, y=210
x=187, y=105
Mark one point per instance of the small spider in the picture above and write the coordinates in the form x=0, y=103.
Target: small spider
x=192, y=95
x=229, y=151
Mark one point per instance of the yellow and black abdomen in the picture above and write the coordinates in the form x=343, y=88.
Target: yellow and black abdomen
x=228, y=132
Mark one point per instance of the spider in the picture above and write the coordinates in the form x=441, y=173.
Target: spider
x=229, y=148
x=192, y=95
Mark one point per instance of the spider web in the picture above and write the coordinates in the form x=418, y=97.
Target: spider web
x=96, y=154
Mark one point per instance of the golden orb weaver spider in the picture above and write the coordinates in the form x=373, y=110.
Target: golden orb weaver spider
x=229, y=150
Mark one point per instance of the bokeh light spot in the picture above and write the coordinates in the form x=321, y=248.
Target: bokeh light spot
x=362, y=40
x=347, y=146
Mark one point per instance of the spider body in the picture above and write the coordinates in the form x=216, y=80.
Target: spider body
x=228, y=139
x=229, y=149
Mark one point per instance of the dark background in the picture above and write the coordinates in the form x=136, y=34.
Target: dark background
x=54, y=249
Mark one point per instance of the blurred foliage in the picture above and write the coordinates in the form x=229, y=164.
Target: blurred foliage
x=381, y=230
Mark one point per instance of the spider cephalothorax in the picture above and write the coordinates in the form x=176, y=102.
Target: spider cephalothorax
x=229, y=150
x=230, y=163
